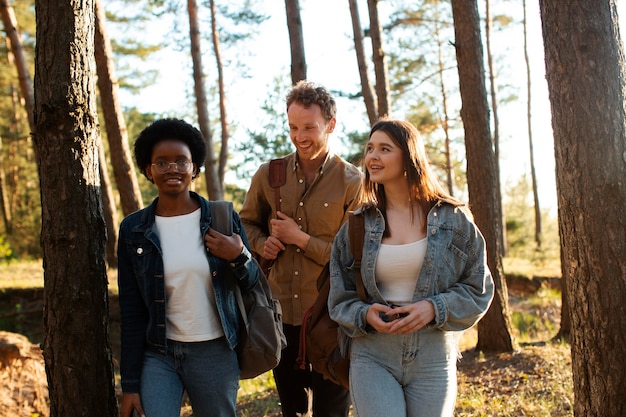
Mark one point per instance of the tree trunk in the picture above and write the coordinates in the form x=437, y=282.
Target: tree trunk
x=117, y=135
x=533, y=173
x=496, y=121
x=4, y=196
x=585, y=71
x=494, y=330
x=222, y=93
x=296, y=41
x=445, y=123
x=213, y=186
x=366, y=86
x=76, y=346
x=21, y=63
x=380, y=61
x=108, y=208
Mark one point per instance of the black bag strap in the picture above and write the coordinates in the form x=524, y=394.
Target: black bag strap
x=356, y=230
x=221, y=214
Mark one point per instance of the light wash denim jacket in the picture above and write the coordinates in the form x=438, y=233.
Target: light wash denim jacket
x=142, y=288
x=454, y=277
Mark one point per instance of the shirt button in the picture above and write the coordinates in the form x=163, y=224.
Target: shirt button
x=296, y=296
x=433, y=232
x=301, y=204
x=325, y=204
x=296, y=273
x=300, y=180
x=298, y=250
x=435, y=214
x=139, y=251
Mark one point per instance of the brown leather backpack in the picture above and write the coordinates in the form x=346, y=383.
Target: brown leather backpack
x=319, y=334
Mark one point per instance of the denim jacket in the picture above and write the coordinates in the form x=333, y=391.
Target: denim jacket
x=454, y=276
x=142, y=288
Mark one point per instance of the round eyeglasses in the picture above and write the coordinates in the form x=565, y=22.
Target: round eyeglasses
x=182, y=166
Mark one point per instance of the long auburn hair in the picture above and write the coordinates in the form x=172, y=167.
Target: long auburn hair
x=423, y=186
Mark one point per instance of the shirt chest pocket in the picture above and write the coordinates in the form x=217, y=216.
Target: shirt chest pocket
x=143, y=257
x=323, y=217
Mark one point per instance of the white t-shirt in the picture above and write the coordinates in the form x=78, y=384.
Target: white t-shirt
x=397, y=268
x=191, y=313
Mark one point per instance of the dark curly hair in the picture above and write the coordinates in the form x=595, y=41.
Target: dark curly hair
x=165, y=129
x=308, y=93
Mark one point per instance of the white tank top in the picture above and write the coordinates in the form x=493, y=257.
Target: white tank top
x=397, y=268
x=191, y=313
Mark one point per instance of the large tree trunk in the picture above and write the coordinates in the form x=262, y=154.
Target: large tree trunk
x=121, y=159
x=15, y=44
x=222, y=93
x=296, y=40
x=494, y=330
x=76, y=346
x=586, y=80
x=213, y=185
x=366, y=86
x=380, y=61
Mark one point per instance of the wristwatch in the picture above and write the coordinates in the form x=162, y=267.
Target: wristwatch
x=241, y=259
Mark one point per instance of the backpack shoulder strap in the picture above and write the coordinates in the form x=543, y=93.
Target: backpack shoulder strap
x=222, y=220
x=356, y=230
x=278, y=177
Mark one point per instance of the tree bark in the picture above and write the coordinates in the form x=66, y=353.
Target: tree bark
x=296, y=41
x=76, y=346
x=380, y=61
x=117, y=134
x=585, y=71
x=214, y=188
x=494, y=330
x=366, y=86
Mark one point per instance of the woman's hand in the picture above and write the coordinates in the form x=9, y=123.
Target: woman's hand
x=222, y=246
x=401, y=320
x=131, y=401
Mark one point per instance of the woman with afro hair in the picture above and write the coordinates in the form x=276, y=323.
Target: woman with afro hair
x=179, y=317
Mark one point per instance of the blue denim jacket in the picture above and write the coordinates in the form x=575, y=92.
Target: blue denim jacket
x=142, y=288
x=454, y=277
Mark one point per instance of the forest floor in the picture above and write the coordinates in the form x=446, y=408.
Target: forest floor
x=533, y=380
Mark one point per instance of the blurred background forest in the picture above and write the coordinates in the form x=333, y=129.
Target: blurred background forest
x=245, y=90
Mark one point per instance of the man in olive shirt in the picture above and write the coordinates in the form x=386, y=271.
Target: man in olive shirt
x=320, y=190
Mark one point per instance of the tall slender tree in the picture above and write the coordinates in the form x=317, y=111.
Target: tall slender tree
x=494, y=330
x=76, y=346
x=213, y=184
x=380, y=61
x=21, y=63
x=215, y=36
x=496, y=119
x=296, y=41
x=367, y=90
x=531, y=147
x=586, y=74
x=117, y=134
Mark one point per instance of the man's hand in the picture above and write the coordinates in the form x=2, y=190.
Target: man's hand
x=287, y=231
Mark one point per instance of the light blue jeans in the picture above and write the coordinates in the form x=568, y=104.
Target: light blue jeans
x=404, y=376
x=208, y=371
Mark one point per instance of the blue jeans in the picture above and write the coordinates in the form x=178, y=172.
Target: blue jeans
x=404, y=376
x=208, y=371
